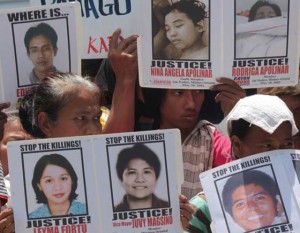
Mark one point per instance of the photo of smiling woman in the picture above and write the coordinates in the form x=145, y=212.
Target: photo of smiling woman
x=55, y=182
x=253, y=200
x=138, y=169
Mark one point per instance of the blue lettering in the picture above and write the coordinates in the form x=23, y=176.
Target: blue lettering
x=89, y=7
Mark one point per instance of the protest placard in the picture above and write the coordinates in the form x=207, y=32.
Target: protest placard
x=37, y=42
x=188, y=44
x=254, y=194
x=107, y=183
x=100, y=20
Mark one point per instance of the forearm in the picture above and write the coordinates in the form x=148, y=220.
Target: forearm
x=121, y=117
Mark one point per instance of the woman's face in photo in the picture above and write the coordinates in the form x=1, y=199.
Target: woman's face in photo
x=139, y=179
x=265, y=12
x=252, y=207
x=181, y=30
x=56, y=184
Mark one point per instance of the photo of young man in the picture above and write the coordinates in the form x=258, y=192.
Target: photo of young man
x=41, y=45
x=45, y=47
x=253, y=200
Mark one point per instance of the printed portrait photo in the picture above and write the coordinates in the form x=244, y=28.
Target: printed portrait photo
x=54, y=184
x=261, y=28
x=41, y=48
x=251, y=200
x=180, y=29
x=138, y=176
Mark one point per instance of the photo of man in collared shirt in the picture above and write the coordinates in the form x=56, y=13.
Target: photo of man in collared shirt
x=41, y=45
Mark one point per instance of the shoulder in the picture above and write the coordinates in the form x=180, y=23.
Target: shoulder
x=222, y=149
x=41, y=212
x=206, y=124
x=77, y=208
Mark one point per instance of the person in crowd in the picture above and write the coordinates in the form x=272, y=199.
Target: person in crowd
x=263, y=10
x=13, y=131
x=260, y=123
x=41, y=45
x=256, y=124
x=252, y=199
x=202, y=145
x=291, y=97
x=185, y=26
x=54, y=183
x=123, y=59
x=138, y=169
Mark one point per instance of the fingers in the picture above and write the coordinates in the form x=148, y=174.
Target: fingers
x=123, y=57
x=183, y=199
x=228, y=85
x=129, y=42
x=4, y=105
x=131, y=49
x=5, y=213
x=227, y=101
x=186, y=211
x=184, y=221
x=113, y=42
x=186, y=214
x=227, y=97
x=7, y=221
x=229, y=93
x=128, y=45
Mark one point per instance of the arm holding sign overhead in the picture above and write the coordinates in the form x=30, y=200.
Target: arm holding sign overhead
x=123, y=57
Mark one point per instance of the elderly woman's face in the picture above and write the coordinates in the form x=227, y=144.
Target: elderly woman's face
x=139, y=179
x=81, y=116
x=265, y=12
